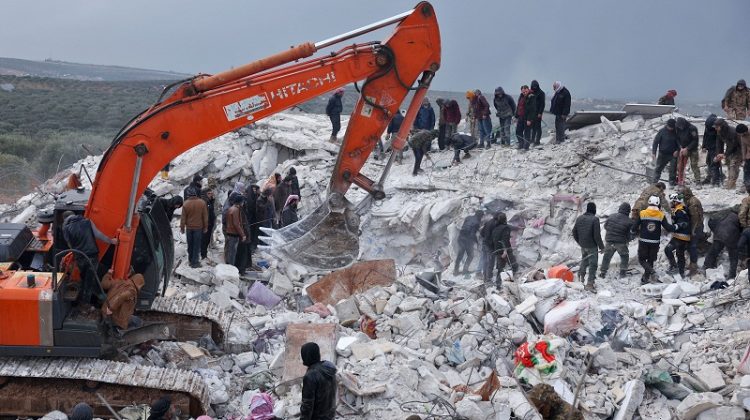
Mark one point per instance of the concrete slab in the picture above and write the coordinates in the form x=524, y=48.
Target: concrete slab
x=585, y=118
x=297, y=335
x=352, y=280
x=648, y=110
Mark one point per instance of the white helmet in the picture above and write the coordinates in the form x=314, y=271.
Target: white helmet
x=654, y=201
x=675, y=198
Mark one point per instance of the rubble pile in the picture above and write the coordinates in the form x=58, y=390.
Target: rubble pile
x=408, y=337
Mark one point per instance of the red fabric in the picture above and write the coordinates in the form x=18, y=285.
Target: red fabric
x=523, y=355
x=542, y=348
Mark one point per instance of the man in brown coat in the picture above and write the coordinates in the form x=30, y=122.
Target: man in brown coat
x=235, y=232
x=121, y=298
x=195, y=220
x=729, y=150
x=736, y=102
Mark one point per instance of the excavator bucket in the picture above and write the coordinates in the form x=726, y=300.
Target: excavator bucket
x=326, y=239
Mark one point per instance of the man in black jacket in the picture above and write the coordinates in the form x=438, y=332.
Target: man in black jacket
x=560, y=107
x=536, y=126
x=502, y=248
x=709, y=146
x=81, y=234
x=488, y=248
x=318, y=385
x=726, y=233
x=333, y=110
x=667, y=145
x=687, y=136
x=461, y=142
x=467, y=240
x=207, y=195
x=618, y=226
x=196, y=184
x=587, y=234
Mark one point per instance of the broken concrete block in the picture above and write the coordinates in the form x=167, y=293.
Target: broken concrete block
x=324, y=335
x=226, y=273
x=697, y=403
x=347, y=312
x=527, y=306
x=230, y=289
x=244, y=360
x=221, y=299
x=281, y=284
x=499, y=305
x=711, y=375
x=469, y=410
x=411, y=303
x=672, y=291
x=689, y=289
x=605, y=357
x=653, y=290
x=192, y=351
x=392, y=305
x=363, y=351
x=722, y=413
x=633, y=397
x=358, y=278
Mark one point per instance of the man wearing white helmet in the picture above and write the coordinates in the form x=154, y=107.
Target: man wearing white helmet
x=648, y=227
x=681, y=236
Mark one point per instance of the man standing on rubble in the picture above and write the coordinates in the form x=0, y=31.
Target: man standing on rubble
x=648, y=226
x=207, y=195
x=641, y=203
x=505, y=107
x=560, y=107
x=680, y=237
x=467, y=240
x=709, y=146
x=481, y=110
x=668, y=98
x=235, y=231
x=736, y=102
x=452, y=119
x=744, y=138
x=687, y=136
x=441, y=103
x=318, y=385
x=333, y=110
x=196, y=183
x=536, y=126
x=425, y=119
x=487, y=261
x=666, y=144
x=726, y=230
x=587, y=233
x=502, y=248
x=194, y=224
x=619, y=232
x=729, y=150
x=695, y=211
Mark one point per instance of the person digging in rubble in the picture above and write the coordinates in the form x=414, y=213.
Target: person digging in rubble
x=587, y=234
x=487, y=260
x=194, y=224
x=687, y=137
x=318, y=385
x=461, y=142
x=695, y=211
x=736, y=102
x=196, y=183
x=641, y=203
x=744, y=138
x=680, y=237
x=467, y=240
x=333, y=110
x=619, y=228
x=420, y=143
x=505, y=107
x=235, y=231
x=81, y=411
x=502, y=248
x=161, y=409
x=536, y=125
x=668, y=98
x=648, y=226
x=665, y=149
x=726, y=230
x=709, y=147
x=728, y=150
x=81, y=235
x=121, y=299
x=207, y=195
x=391, y=131
x=289, y=214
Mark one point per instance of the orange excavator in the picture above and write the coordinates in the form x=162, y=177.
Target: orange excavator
x=37, y=314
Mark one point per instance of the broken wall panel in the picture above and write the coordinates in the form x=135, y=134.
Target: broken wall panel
x=585, y=118
x=648, y=111
x=324, y=335
x=349, y=281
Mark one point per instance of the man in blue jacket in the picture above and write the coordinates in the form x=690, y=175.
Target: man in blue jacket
x=425, y=119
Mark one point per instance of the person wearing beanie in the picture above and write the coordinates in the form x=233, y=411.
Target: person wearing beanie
x=318, y=385
x=736, y=102
x=729, y=150
x=161, y=409
x=587, y=234
x=668, y=98
x=665, y=149
x=618, y=227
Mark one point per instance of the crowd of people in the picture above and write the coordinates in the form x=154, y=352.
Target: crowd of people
x=271, y=204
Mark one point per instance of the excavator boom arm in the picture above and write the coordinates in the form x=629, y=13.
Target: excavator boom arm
x=208, y=106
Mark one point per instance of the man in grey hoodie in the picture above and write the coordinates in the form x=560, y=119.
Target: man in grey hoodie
x=506, y=108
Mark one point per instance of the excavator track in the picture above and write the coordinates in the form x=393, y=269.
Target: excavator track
x=34, y=386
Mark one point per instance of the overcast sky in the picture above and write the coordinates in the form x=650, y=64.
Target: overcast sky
x=598, y=48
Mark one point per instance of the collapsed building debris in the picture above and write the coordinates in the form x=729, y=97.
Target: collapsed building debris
x=452, y=346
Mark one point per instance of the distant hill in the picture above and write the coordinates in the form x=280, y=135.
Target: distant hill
x=76, y=71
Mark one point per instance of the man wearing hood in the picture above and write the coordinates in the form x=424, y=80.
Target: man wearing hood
x=81, y=411
x=668, y=147
x=318, y=385
x=560, y=107
x=425, y=119
x=736, y=102
x=728, y=149
x=618, y=227
x=695, y=211
x=536, y=126
x=687, y=138
x=587, y=234
x=420, y=143
x=481, y=110
x=505, y=107
x=709, y=146
x=289, y=214
x=467, y=240
x=668, y=98
x=196, y=183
